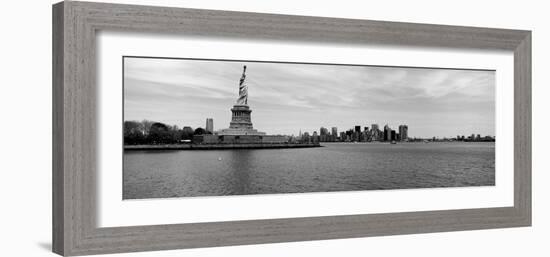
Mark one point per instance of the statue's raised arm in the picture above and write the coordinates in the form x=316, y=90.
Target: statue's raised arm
x=243, y=90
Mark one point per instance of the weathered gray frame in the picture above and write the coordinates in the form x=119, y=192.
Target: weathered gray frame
x=74, y=129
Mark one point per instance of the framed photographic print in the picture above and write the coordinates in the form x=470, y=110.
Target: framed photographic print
x=182, y=128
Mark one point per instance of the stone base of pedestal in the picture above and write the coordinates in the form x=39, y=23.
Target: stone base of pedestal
x=240, y=132
x=241, y=123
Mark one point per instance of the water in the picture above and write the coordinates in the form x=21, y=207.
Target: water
x=335, y=167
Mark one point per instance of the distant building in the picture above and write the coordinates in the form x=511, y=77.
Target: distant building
x=315, y=137
x=324, y=135
x=349, y=135
x=334, y=134
x=393, y=135
x=210, y=125
x=356, y=134
x=366, y=135
x=403, y=132
x=375, y=132
x=387, y=133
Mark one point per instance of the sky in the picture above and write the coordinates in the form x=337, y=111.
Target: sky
x=286, y=98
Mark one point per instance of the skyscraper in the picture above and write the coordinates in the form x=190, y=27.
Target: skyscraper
x=365, y=136
x=403, y=132
x=334, y=131
x=324, y=135
x=387, y=133
x=343, y=136
x=210, y=125
x=375, y=132
x=357, y=134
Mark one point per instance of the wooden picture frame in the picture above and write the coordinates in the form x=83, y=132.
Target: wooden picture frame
x=74, y=130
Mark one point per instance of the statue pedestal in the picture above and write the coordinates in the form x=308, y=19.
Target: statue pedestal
x=241, y=122
x=240, y=118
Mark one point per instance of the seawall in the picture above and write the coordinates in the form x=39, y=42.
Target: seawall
x=216, y=146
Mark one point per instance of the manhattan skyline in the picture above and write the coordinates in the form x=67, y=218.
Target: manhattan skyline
x=286, y=98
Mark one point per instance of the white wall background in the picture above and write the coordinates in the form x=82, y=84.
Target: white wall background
x=25, y=131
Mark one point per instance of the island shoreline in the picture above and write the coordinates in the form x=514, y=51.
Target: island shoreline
x=216, y=146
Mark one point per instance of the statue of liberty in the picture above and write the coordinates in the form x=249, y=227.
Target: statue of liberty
x=243, y=90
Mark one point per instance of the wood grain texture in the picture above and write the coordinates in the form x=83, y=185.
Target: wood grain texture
x=58, y=229
x=74, y=124
x=522, y=129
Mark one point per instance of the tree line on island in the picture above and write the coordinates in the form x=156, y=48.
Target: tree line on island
x=147, y=132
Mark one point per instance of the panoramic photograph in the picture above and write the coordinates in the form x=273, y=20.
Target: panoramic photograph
x=200, y=127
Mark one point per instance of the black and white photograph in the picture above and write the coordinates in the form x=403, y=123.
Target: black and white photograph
x=146, y=128
x=199, y=127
